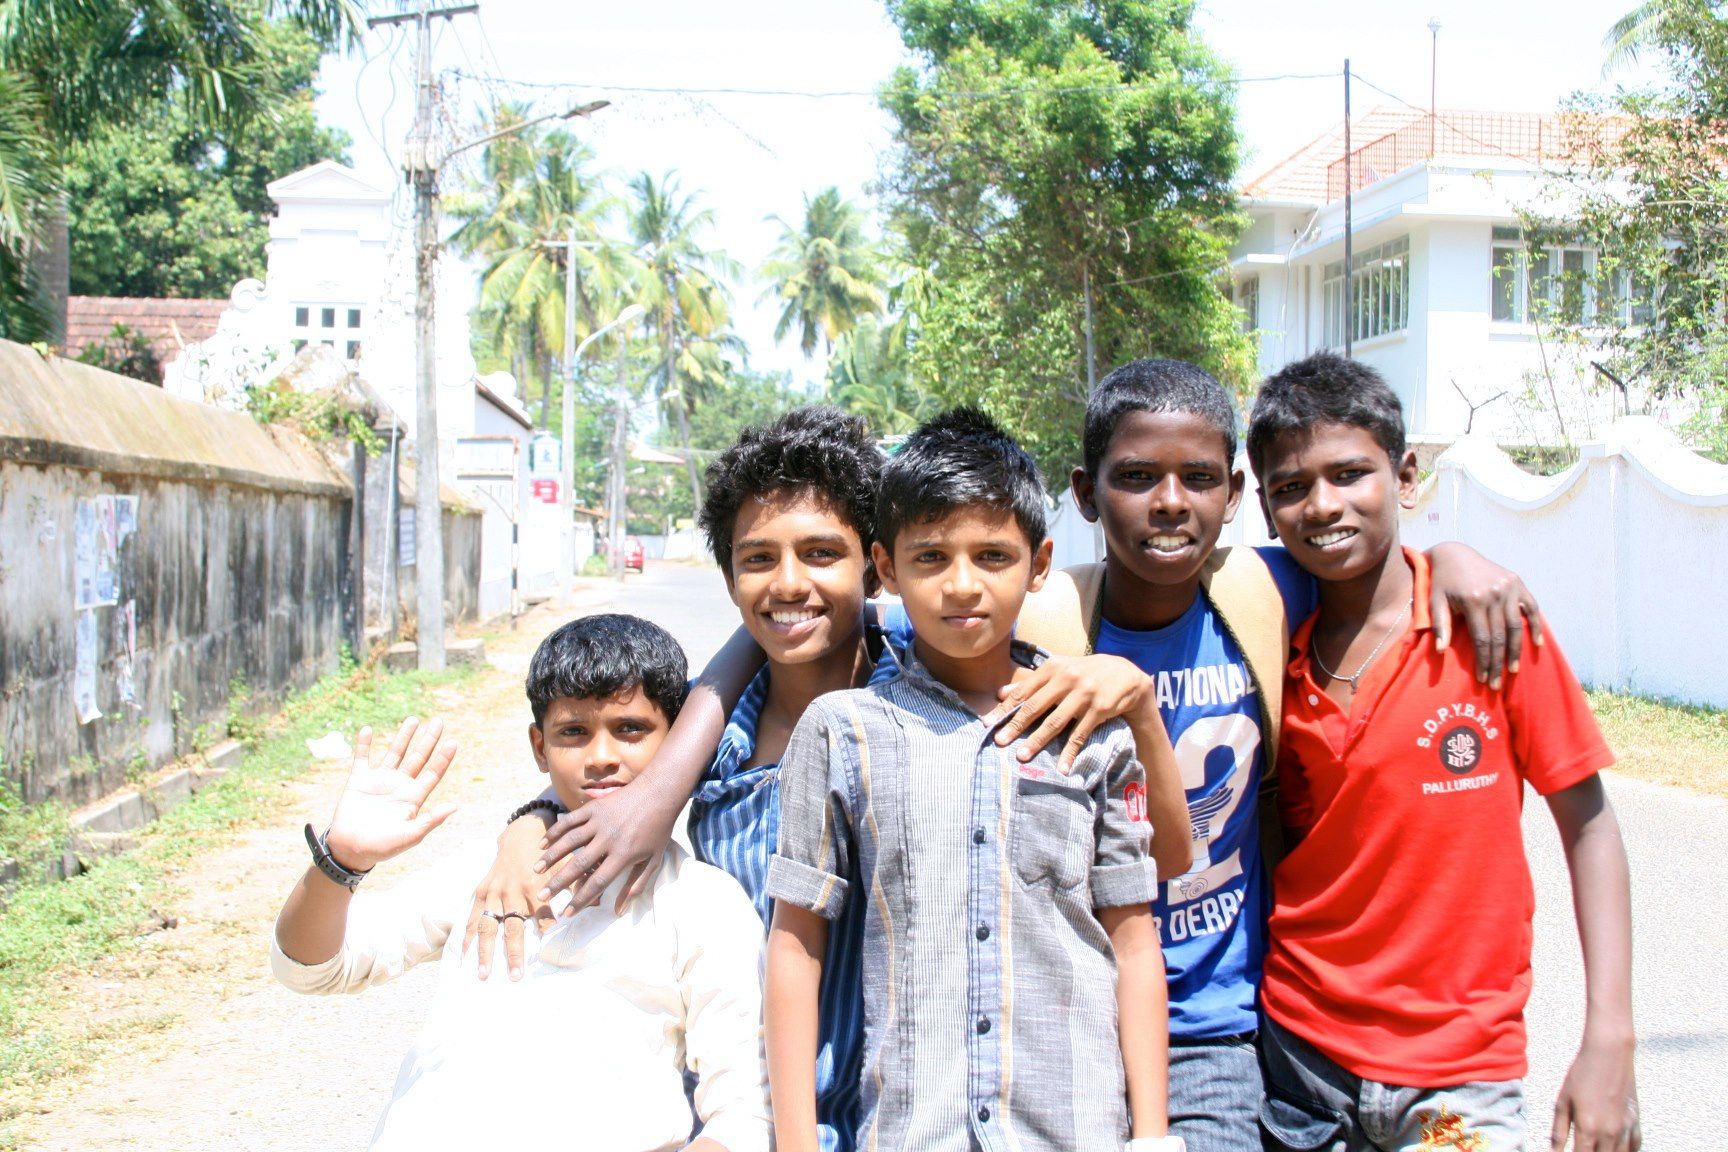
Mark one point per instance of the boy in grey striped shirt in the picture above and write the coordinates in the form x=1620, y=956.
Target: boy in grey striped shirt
x=1013, y=983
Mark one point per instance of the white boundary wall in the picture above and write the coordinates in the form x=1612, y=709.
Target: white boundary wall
x=1627, y=550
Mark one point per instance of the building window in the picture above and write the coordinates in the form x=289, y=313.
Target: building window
x=338, y=326
x=1554, y=282
x=1248, y=299
x=1380, y=293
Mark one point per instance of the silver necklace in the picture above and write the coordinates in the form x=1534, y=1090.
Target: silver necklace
x=1363, y=667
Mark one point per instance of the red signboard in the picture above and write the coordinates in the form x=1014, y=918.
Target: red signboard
x=546, y=491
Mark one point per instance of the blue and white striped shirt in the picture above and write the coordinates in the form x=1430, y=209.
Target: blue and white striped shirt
x=734, y=825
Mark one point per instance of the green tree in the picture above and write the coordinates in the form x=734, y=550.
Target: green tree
x=1064, y=171
x=870, y=375
x=824, y=272
x=685, y=293
x=27, y=188
x=748, y=398
x=538, y=190
x=165, y=205
x=69, y=68
x=1651, y=184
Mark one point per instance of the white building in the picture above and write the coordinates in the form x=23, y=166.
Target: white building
x=340, y=272
x=1445, y=289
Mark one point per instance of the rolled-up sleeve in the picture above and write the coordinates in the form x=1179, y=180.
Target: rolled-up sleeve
x=815, y=842
x=720, y=978
x=387, y=934
x=1123, y=872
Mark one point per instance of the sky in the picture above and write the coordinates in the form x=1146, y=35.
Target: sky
x=749, y=157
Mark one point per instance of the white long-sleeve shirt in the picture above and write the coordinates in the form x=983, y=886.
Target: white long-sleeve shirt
x=621, y=1005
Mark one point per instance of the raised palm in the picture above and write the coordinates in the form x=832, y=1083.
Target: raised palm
x=382, y=812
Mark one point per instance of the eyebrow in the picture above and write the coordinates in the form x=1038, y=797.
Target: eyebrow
x=1141, y=462
x=813, y=538
x=1348, y=462
x=1004, y=544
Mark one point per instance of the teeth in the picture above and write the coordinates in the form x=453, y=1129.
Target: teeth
x=1169, y=543
x=1325, y=539
x=791, y=617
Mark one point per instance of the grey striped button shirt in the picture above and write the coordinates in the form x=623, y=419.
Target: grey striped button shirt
x=989, y=984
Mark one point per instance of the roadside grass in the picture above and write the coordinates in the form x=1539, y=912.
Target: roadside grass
x=1666, y=743
x=48, y=931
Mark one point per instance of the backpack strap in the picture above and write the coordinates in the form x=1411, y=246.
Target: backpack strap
x=1240, y=586
x=1063, y=616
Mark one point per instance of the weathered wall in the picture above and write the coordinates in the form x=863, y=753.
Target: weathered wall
x=241, y=566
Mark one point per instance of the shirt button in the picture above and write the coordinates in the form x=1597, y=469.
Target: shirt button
x=983, y=1025
x=977, y=835
x=983, y=1115
x=982, y=932
x=1313, y=699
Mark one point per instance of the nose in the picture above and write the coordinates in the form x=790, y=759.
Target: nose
x=1322, y=505
x=1169, y=497
x=962, y=579
x=605, y=754
x=791, y=581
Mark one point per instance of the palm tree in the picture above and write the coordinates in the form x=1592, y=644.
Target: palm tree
x=1692, y=27
x=870, y=374
x=684, y=293
x=537, y=208
x=67, y=66
x=28, y=186
x=824, y=272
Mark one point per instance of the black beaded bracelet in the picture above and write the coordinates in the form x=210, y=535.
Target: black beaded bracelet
x=538, y=804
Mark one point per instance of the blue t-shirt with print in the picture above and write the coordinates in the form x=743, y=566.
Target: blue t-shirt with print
x=1212, y=920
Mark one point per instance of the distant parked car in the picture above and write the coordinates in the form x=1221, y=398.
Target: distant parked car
x=635, y=556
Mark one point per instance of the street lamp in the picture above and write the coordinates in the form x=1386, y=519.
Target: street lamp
x=628, y=314
x=424, y=167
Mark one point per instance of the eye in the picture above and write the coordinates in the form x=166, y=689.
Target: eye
x=1200, y=480
x=633, y=729
x=928, y=556
x=995, y=556
x=757, y=558
x=1134, y=476
x=822, y=555
x=574, y=731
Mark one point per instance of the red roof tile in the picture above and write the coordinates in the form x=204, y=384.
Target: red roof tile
x=167, y=323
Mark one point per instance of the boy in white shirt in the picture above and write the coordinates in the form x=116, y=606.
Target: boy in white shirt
x=671, y=984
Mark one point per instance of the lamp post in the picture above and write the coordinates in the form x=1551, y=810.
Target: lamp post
x=424, y=166
x=629, y=313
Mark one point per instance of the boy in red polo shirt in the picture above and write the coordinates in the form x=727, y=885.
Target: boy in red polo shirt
x=1399, y=957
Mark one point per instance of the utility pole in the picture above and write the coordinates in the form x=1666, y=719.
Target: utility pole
x=421, y=164
x=1433, y=85
x=1349, y=243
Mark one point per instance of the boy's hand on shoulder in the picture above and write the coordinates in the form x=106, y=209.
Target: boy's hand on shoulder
x=1493, y=601
x=589, y=848
x=1079, y=691
x=1598, y=1103
x=382, y=811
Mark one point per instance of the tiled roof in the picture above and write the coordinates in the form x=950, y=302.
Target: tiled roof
x=89, y=320
x=1390, y=139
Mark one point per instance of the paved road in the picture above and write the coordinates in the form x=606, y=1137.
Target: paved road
x=250, y=1065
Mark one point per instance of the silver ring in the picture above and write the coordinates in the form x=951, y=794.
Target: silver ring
x=491, y=915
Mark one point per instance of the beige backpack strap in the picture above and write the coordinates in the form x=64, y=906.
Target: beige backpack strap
x=1061, y=615
x=1240, y=586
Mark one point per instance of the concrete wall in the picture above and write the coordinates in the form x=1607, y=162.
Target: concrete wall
x=245, y=563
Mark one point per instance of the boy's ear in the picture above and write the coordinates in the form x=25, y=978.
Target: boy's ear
x=1407, y=474
x=1237, y=483
x=1085, y=494
x=883, y=562
x=1041, y=564
x=537, y=740
x=1266, y=510
x=872, y=578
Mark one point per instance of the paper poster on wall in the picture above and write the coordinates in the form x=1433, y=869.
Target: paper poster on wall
x=84, y=672
x=125, y=649
x=125, y=559
x=93, y=553
x=125, y=518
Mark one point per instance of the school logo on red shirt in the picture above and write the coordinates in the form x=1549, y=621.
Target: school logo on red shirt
x=1460, y=749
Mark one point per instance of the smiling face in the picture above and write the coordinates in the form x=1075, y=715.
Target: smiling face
x=962, y=579
x=1163, y=491
x=799, y=576
x=593, y=745
x=1332, y=496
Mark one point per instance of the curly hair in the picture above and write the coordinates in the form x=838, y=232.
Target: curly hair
x=597, y=657
x=815, y=449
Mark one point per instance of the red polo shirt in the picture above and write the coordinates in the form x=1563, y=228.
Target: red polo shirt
x=1400, y=932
